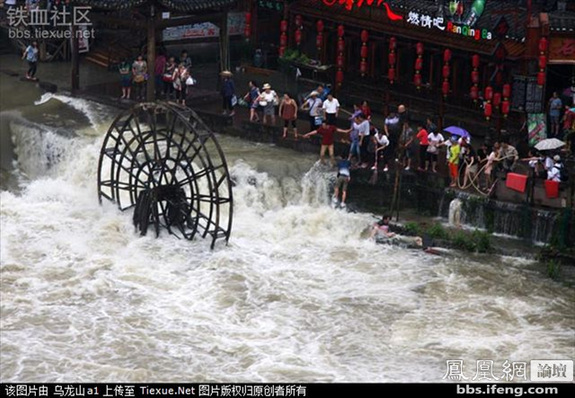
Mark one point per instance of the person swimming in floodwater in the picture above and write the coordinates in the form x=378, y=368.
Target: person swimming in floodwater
x=381, y=228
x=381, y=233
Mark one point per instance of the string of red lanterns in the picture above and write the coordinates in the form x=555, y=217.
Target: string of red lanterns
x=319, y=38
x=248, y=26
x=363, y=52
x=488, y=108
x=543, y=45
x=298, y=29
x=392, y=59
x=506, y=105
x=446, y=72
x=474, y=93
x=418, y=65
x=340, y=60
x=283, y=37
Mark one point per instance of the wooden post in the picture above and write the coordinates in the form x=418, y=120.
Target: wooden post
x=151, y=83
x=224, y=42
x=75, y=72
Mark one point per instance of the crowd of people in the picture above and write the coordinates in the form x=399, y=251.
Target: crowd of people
x=172, y=76
x=398, y=142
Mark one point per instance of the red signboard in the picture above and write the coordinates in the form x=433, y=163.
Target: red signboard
x=562, y=50
x=350, y=4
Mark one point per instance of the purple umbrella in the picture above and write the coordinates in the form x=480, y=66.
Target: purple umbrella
x=454, y=130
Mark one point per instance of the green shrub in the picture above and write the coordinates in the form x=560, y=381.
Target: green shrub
x=437, y=231
x=482, y=241
x=462, y=241
x=412, y=228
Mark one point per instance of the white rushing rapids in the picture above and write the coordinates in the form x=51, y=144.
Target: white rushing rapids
x=297, y=296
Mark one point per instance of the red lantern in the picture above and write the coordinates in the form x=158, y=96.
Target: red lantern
x=475, y=77
x=496, y=99
x=474, y=93
x=488, y=111
x=298, y=20
x=475, y=61
x=248, y=18
x=417, y=80
x=319, y=40
x=447, y=55
x=391, y=59
x=391, y=75
x=340, y=31
x=319, y=26
x=247, y=32
x=339, y=61
x=363, y=51
x=488, y=93
x=543, y=44
x=339, y=77
x=499, y=78
x=445, y=71
x=340, y=45
x=392, y=43
x=542, y=62
x=419, y=48
x=298, y=37
x=283, y=26
x=418, y=64
x=445, y=88
x=541, y=78
x=283, y=40
x=363, y=67
x=506, y=90
x=364, y=35
x=505, y=106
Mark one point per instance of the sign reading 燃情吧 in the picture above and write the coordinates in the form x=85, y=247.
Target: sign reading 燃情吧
x=427, y=21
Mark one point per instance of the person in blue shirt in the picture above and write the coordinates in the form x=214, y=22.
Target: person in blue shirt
x=31, y=55
x=555, y=106
x=322, y=92
x=343, y=179
x=228, y=92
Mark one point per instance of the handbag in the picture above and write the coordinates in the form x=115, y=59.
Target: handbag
x=234, y=100
x=190, y=81
x=139, y=78
x=167, y=77
x=263, y=103
x=317, y=120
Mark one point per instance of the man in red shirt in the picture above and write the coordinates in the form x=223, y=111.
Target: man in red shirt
x=327, y=132
x=422, y=136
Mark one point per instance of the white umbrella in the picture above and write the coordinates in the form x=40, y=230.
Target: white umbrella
x=549, y=144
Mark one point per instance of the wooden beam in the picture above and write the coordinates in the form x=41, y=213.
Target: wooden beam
x=224, y=41
x=151, y=84
x=214, y=18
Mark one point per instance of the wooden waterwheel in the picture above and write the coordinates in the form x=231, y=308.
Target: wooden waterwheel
x=163, y=162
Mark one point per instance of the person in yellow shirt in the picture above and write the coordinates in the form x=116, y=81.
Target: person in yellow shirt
x=454, y=151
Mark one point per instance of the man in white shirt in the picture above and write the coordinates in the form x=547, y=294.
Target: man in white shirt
x=331, y=109
x=381, y=144
x=435, y=140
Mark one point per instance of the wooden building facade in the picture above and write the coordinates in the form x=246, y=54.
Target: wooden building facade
x=479, y=62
